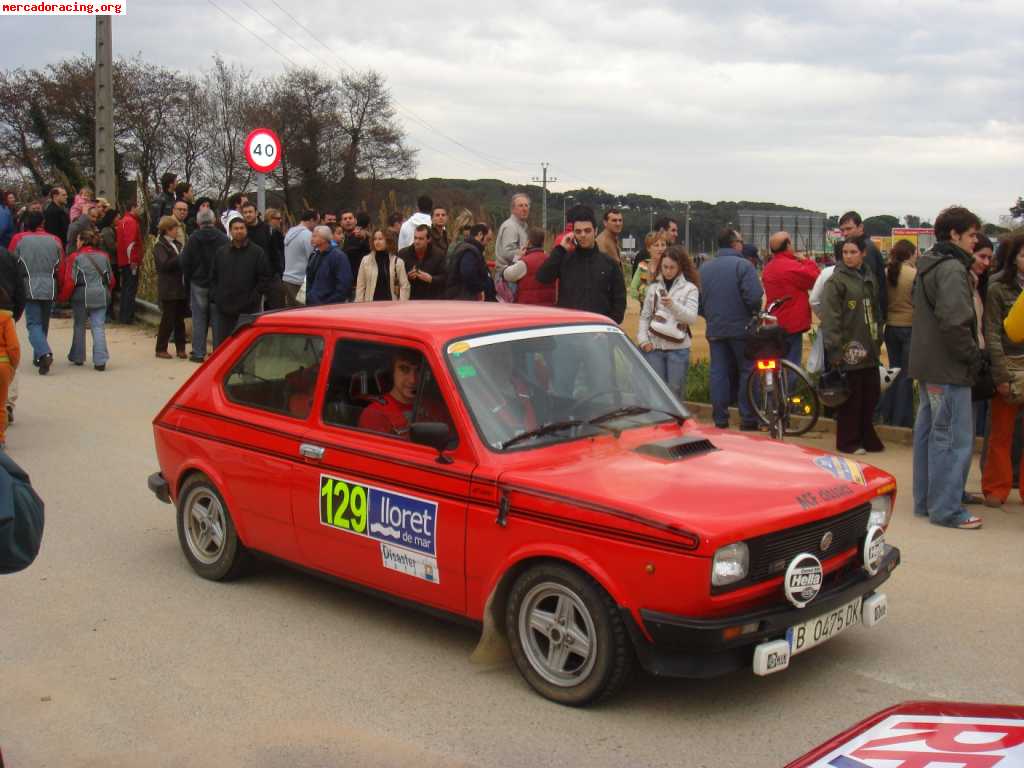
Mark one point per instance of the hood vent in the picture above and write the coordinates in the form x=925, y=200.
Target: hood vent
x=677, y=448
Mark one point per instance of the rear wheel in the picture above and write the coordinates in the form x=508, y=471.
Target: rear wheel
x=567, y=636
x=206, y=531
x=794, y=388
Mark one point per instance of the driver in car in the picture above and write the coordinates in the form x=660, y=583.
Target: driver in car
x=393, y=412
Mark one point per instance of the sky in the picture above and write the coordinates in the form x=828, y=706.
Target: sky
x=899, y=107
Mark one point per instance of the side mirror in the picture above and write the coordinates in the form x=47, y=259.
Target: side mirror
x=435, y=434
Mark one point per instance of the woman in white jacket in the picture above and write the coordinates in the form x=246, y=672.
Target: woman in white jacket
x=670, y=307
x=382, y=275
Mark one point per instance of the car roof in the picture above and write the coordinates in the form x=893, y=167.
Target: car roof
x=438, y=321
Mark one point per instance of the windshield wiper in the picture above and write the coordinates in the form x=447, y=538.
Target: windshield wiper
x=543, y=429
x=634, y=410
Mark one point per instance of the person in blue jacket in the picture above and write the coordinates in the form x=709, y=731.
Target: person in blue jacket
x=730, y=295
x=329, y=273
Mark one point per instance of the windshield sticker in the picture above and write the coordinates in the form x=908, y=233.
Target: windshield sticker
x=385, y=516
x=529, y=333
x=465, y=371
x=841, y=469
x=409, y=563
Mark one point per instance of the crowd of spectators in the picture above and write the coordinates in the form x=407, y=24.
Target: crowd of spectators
x=939, y=314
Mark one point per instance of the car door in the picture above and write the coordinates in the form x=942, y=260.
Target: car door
x=264, y=402
x=369, y=505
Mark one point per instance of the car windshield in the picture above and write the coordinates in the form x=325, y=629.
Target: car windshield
x=530, y=388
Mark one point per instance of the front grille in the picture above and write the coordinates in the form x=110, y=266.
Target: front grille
x=770, y=554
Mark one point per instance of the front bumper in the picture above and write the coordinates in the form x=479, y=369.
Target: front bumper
x=158, y=485
x=694, y=647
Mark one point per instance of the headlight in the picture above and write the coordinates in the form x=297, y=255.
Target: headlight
x=730, y=565
x=881, y=511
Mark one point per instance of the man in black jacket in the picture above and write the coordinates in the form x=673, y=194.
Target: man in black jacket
x=468, y=278
x=163, y=204
x=238, y=280
x=56, y=218
x=258, y=232
x=424, y=266
x=196, y=265
x=589, y=279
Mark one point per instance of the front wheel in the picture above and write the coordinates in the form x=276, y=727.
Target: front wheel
x=568, y=639
x=206, y=532
x=794, y=404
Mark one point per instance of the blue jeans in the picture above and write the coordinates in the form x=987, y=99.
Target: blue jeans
x=897, y=405
x=672, y=366
x=943, y=441
x=728, y=363
x=795, y=349
x=200, y=319
x=96, y=319
x=37, y=320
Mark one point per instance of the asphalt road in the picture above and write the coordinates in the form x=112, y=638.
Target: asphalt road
x=113, y=653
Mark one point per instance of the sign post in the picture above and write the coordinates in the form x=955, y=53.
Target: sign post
x=263, y=154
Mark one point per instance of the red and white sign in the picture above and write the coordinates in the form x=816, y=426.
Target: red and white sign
x=928, y=735
x=262, y=150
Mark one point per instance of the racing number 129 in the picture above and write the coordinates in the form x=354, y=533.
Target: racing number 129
x=342, y=505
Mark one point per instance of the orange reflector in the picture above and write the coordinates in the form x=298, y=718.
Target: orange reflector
x=732, y=633
x=767, y=365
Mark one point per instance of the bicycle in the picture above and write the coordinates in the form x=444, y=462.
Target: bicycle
x=780, y=393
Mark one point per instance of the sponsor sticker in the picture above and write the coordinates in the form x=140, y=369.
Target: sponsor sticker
x=841, y=469
x=409, y=563
x=926, y=740
x=402, y=522
x=811, y=499
x=459, y=347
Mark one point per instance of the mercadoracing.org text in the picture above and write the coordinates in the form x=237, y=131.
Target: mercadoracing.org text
x=63, y=9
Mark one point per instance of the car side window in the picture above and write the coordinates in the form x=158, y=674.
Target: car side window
x=277, y=373
x=382, y=388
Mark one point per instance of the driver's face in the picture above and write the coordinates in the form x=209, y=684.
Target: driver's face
x=406, y=375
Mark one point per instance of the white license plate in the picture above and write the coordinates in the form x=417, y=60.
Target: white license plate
x=803, y=637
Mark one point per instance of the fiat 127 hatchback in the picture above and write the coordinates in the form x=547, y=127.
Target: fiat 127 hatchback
x=524, y=469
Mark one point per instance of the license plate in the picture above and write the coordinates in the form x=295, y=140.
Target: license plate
x=803, y=637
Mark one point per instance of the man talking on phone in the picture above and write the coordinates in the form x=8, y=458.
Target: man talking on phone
x=588, y=278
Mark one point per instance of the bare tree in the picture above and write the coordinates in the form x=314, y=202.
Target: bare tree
x=231, y=93
x=190, y=135
x=374, y=142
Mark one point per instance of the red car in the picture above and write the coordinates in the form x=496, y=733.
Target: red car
x=522, y=468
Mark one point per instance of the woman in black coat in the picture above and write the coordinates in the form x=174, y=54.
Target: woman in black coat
x=170, y=287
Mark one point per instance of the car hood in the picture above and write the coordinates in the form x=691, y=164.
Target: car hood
x=744, y=486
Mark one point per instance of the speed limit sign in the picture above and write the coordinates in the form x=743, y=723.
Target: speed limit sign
x=262, y=150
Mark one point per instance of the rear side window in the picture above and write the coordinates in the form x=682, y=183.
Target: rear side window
x=277, y=373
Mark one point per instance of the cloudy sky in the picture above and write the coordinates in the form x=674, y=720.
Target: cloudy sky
x=888, y=106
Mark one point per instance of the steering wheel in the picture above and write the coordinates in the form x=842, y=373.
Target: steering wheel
x=590, y=398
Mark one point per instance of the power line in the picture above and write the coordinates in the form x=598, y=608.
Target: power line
x=409, y=112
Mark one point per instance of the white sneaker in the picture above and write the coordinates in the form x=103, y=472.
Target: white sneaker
x=859, y=452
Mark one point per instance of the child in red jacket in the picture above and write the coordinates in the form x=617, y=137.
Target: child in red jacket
x=10, y=356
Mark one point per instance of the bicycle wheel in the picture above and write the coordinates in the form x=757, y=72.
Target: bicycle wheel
x=801, y=397
x=763, y=399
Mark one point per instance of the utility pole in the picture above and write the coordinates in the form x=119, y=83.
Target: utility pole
x=686, y=237
x=106, y=173
x=544, y=196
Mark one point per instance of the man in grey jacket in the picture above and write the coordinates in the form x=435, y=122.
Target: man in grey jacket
x=38, y=253
x=945, y=360
x=513, y=234
x=298, y=245
x=730, y=294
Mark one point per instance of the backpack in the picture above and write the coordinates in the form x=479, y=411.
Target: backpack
x=21, y=518
x=66, y=277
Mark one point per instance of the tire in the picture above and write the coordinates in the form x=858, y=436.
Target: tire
x=798, y=384
x=206, y=532
x=554, y=611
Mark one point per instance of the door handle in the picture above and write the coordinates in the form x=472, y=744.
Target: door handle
x=310, y=451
